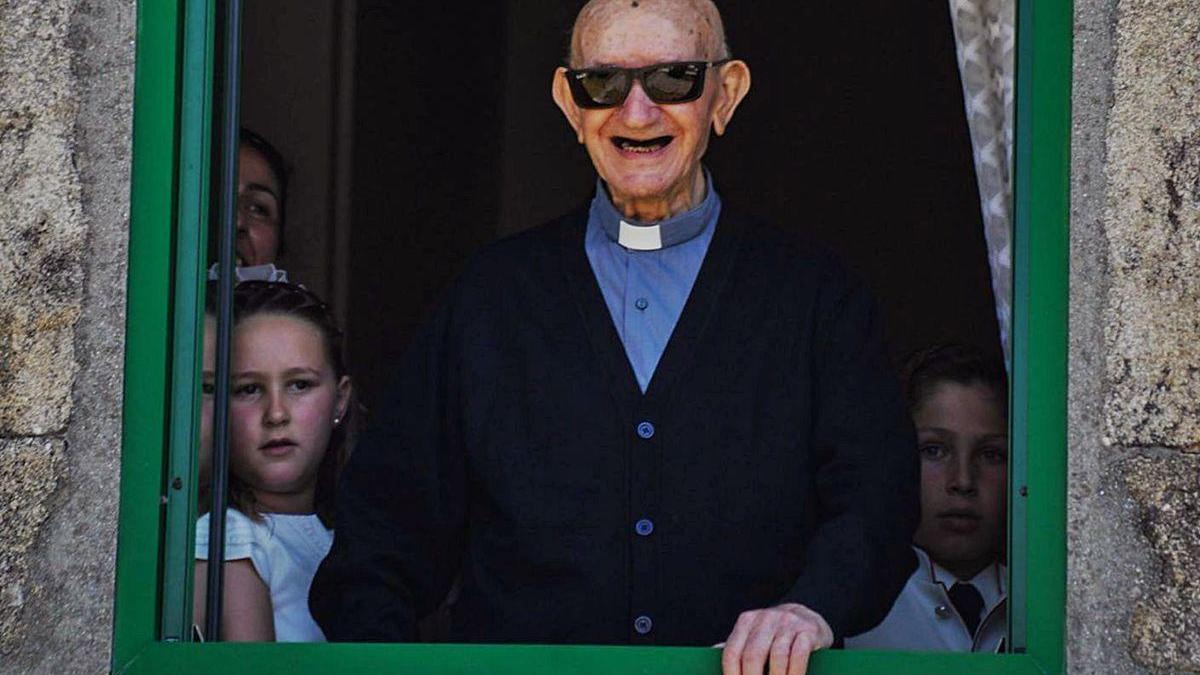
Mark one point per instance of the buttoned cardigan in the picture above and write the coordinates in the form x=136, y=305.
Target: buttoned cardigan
x=770, y=460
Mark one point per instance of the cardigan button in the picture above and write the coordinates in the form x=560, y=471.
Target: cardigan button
x=643, y=625
x=942, y=612
x=645, y=430
x=644, y=527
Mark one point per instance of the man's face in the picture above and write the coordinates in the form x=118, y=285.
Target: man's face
x=617, y=138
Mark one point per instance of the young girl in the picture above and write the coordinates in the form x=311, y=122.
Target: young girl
x=955, y=601
x=290, y=399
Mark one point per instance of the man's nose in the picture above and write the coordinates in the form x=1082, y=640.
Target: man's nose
x=963, y=479
x=638, y=110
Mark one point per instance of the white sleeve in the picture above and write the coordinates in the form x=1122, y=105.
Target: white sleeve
x=244, y=538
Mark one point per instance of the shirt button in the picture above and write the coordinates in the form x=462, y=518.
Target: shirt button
x=644, y=527
x=641, y=304
x=643, y=624
x=942, y=611
x=645, y=430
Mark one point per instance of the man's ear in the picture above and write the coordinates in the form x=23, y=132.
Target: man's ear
x=561, y=91
x=734, y=83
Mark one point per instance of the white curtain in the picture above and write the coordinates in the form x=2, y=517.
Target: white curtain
x=985, y=33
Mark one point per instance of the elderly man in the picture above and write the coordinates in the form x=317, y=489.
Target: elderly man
x=652, y=421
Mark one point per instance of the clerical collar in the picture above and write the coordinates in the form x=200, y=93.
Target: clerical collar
x=638, y=236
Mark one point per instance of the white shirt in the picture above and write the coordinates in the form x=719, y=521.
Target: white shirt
x=987, y=582
x=924, y=619
x=285, y=550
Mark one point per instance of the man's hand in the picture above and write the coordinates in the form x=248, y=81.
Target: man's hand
x=783, y=636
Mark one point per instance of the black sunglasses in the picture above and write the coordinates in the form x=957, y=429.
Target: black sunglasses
x=664, y=83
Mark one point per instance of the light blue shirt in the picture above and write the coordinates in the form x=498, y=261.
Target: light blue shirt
x=646, y=290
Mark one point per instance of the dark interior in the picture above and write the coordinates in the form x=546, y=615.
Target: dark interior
x=854, y=133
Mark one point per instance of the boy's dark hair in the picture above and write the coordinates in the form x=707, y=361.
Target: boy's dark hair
x=251, y=298
x=278, y=167
x=924, y=369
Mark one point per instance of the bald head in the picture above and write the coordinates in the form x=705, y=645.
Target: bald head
x=647, y=138
x=701, y=18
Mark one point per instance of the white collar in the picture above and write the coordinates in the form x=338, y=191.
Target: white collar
x=638, y=236
x=991, y=582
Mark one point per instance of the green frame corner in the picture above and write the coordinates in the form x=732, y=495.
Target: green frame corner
x=171, y=160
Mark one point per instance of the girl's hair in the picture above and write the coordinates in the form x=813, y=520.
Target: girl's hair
x=251, y=298
x=278, y=167
x=923, y=370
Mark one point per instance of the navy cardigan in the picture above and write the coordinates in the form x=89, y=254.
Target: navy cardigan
x=771, y=459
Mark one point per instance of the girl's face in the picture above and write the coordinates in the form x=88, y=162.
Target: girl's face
x=963, y=442
x=284, y=399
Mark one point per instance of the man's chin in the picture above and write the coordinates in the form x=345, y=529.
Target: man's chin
x=640, y=187
x=952, y=551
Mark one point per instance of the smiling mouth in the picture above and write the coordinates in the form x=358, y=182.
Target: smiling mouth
x=642, y=147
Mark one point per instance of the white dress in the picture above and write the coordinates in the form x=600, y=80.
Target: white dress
x=285, y=550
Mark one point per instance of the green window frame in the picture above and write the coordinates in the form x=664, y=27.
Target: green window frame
x=173, y=110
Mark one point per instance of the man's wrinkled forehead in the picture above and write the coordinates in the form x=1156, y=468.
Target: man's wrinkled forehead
x=700, y=18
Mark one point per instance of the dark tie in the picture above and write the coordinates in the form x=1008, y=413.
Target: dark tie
x=969, y=603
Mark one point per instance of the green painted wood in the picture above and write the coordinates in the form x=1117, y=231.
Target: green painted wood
x=188, y=320
x=144, y=430
x=197, y=659
x=1018, y=470
x=1042, y=193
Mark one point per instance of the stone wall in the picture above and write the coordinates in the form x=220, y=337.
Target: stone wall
x=1134, y=515
x=66, y=75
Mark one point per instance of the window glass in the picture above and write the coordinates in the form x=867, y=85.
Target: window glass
x=357, y=210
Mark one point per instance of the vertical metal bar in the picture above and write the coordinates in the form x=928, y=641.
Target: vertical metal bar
x=229, y=87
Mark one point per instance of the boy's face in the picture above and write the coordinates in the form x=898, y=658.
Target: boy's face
x=962, y=438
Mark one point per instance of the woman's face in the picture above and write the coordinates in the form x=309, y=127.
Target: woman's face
x=259, y=209
x=206, y=399
x=285, y=397
x=962, y=438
